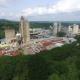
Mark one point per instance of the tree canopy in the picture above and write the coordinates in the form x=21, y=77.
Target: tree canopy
x=62, y=63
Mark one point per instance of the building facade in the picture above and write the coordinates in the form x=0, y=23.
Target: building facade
x=24, y=30
x=9, y=34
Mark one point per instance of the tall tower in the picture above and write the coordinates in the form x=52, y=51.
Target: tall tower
x=59, y=27
x=24, y=30
x=55, y=30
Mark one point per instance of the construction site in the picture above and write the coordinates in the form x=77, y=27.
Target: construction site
x=22, y=40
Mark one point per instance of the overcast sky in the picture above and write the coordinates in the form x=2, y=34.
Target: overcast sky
x=40, y=9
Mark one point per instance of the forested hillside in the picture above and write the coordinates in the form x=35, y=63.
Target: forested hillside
x=40, y=24
x=61, y=63
x=6, y=23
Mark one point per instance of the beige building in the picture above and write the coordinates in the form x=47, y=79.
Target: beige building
x=24, y=30
x=74, y=29
x=9, y=34
x=59, y=27
x=55, y=29
x=70, y=29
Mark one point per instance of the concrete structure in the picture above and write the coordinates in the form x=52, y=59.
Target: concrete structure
x=25, y=34
x=55, y=29
x=9, y=34
x=24, y=30
x=73, y=30
x=70, y=28
x=19, y=40
x=59, y=27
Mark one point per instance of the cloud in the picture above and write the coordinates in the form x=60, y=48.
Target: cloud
x=2, y=1
x=5, y=2
x=4, y=12
x=67, y=5
x=60, y=6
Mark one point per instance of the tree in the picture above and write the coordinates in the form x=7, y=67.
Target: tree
x=61, y=34
x=2, y=34
x=78, y=39
x=38, y=68
x=55, y=77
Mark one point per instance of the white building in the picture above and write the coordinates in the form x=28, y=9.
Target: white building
x=55, y=30
x=57, y=27
x=73, y=30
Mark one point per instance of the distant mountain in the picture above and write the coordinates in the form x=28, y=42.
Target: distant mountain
x=34, y=24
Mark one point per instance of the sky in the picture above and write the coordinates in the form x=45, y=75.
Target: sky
x=40, y=10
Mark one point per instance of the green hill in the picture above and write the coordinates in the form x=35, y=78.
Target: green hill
x=6, y=23
x=61, y=63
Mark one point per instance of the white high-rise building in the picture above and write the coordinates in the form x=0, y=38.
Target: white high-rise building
x=70, y=29
x=55, y=29
x=75, y=29
x=59, y=27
